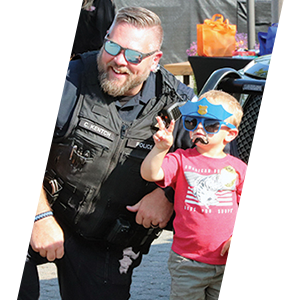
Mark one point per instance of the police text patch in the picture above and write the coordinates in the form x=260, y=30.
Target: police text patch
x=139, y=144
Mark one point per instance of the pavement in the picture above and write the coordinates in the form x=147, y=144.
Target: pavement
x=151, y=280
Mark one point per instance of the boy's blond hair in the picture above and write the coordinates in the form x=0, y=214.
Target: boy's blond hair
x=228, y=102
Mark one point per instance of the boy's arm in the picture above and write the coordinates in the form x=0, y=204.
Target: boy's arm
x=226, y=247
x=151, y=167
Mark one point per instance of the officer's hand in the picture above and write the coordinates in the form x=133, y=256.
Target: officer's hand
x=47, y=238
x=153, y=210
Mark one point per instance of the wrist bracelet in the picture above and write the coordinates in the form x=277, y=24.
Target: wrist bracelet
x=43, y=215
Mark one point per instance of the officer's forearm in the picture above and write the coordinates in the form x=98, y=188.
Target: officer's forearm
x=47, y=237
x=43, y=204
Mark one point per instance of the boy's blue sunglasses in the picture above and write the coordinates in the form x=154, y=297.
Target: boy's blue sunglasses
x=210, y=126
x=131, y=56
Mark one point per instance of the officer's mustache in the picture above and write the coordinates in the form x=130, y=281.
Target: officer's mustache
x=102, y=68
x=117, y=68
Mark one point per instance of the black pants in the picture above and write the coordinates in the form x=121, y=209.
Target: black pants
x=88, y=270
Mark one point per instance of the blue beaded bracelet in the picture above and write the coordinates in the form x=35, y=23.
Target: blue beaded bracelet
x=43, y=215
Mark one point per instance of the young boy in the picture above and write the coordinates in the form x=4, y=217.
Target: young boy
x=208, y=185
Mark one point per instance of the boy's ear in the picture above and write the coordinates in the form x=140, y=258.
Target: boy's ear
x=231, y=135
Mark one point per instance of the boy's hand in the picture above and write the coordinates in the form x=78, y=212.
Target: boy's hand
x=163, y=138
x=226, y=247
x=151, y=166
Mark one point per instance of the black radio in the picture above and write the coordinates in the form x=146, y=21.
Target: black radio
x=171, y=112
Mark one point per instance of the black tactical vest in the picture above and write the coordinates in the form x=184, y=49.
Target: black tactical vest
x=97, y=162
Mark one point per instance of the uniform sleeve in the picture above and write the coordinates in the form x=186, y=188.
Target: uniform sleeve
x=185, y=92
x=69, y=96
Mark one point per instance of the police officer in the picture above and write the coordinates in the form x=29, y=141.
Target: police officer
x=96, y=216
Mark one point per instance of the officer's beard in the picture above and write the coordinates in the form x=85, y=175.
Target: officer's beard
x=112, y=87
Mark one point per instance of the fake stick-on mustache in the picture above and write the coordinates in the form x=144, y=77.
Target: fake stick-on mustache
x=201, y=140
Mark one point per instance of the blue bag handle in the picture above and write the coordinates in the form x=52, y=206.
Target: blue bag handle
x=267, y=40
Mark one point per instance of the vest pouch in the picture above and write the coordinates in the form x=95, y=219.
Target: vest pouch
x=52, y=186
x=68, y=205
x=76, y=162
x=137, y=150
x=120, y=232
x=134, y=187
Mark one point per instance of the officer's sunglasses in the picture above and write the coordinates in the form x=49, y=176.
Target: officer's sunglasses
x=210, y=126
x=131, y=56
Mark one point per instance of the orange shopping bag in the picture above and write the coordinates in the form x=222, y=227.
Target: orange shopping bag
x=216, y=37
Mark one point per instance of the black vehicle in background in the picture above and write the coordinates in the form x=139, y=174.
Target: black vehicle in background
x=246, y=85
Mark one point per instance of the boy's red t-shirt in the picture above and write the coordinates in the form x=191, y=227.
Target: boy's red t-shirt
x=207, y=194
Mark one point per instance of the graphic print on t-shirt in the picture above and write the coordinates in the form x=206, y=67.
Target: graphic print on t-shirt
x=211, y=190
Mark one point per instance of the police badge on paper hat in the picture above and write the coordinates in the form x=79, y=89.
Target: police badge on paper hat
x=204, y=109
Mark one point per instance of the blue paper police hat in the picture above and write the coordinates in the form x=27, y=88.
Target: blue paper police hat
x=204, y=109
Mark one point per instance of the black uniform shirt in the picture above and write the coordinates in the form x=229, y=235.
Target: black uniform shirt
x=129, y=107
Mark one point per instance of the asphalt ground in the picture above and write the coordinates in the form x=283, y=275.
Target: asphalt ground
x=151, y=280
